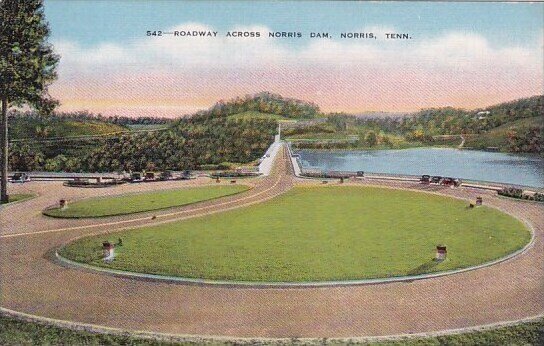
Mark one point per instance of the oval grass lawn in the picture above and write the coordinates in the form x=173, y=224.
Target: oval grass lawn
x=316, y=234
x=141, y=202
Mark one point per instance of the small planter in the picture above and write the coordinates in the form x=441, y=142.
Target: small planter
x=441, y=253
x=108, y=251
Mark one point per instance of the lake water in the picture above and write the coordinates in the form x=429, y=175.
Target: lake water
x=515, y=169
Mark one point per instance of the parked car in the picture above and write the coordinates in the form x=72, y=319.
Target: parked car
x=20, y=177
x=186, y=175
x=436, y=179
x=448, y=181
x=166, y=175
x=425, y=179
x=136, y=177
x=149, y=176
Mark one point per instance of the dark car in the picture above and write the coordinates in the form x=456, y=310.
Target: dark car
x=425, y=179
x=166, y=175
x=136, y=177
x=448, y=181
x=436, y=179
x=149, y=176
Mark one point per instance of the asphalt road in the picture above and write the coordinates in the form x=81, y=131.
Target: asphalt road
x=34, y=283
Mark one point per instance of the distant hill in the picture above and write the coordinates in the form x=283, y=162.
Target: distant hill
x=259, y=115
x=515, y=126
x=521, y=135
x=265, y=103
x=381, y=115
x=22, y=126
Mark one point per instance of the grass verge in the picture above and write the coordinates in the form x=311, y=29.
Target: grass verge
x=142, y=202
x=16, y=332
x=19, y=197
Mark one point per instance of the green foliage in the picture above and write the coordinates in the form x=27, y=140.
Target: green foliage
x=187, y=144
x=317, y=233
x=35, y=126
x=526, y=334
x=511, y=192
x=527, y=140
x=258, y=115
x=371, y=139
x=519, y=193
x=16, y=332
x=19, y=197
x=515, y=126
x=263, y=102
x=22, y=157
x=27, y=60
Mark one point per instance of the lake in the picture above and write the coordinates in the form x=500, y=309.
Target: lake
x=517, y=169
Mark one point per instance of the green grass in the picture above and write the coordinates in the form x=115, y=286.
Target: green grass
x=314, y=234
x=141, y=202
x=15, y=332
x=22, y=127
x=19, y=197
x=259, y=115
x=498, y=136
x=140, y=127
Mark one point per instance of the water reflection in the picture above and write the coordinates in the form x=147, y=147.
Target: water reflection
x=467, y=164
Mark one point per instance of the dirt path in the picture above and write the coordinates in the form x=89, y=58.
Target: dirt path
x=34, y=284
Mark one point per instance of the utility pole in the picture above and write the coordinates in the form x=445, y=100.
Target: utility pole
x=4, y=197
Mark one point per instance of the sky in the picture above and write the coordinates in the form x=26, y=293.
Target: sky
x=467, y=55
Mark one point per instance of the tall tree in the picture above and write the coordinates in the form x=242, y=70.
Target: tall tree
x=27, y=66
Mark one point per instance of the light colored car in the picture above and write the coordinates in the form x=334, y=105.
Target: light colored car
x=20, y=177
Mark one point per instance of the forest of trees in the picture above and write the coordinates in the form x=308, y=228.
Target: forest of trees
x=516, y=126
x=187, y=143
x=264, y=102
x=212, y=137
x=36, y=119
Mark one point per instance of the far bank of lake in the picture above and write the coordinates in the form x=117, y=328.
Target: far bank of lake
x=517, y=169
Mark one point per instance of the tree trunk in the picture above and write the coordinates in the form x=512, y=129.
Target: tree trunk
x=4, y=155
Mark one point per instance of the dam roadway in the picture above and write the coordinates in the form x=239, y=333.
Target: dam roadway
x=33, y=284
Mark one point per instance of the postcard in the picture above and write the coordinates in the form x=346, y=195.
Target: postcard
x=271, y=172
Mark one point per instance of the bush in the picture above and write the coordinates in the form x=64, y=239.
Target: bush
x=511, y=192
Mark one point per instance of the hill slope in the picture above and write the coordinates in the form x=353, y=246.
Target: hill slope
x=23, y=126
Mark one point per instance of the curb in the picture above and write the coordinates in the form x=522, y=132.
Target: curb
x=313, y=284
x=100, y=329
x=55, y=207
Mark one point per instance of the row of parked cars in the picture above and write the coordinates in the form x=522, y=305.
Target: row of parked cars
x=137, y=177
x=438, y=180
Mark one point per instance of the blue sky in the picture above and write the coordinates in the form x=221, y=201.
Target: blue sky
x=92, y=22
x=464, y=54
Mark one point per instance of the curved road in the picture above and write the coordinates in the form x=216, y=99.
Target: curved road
x=33, y=283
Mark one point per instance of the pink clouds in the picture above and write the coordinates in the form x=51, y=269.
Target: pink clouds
x=460, y=70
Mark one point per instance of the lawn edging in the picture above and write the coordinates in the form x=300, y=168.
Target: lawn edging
x=45, y=211
x=29, y=197
x=191, y=338
x=307, y=284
